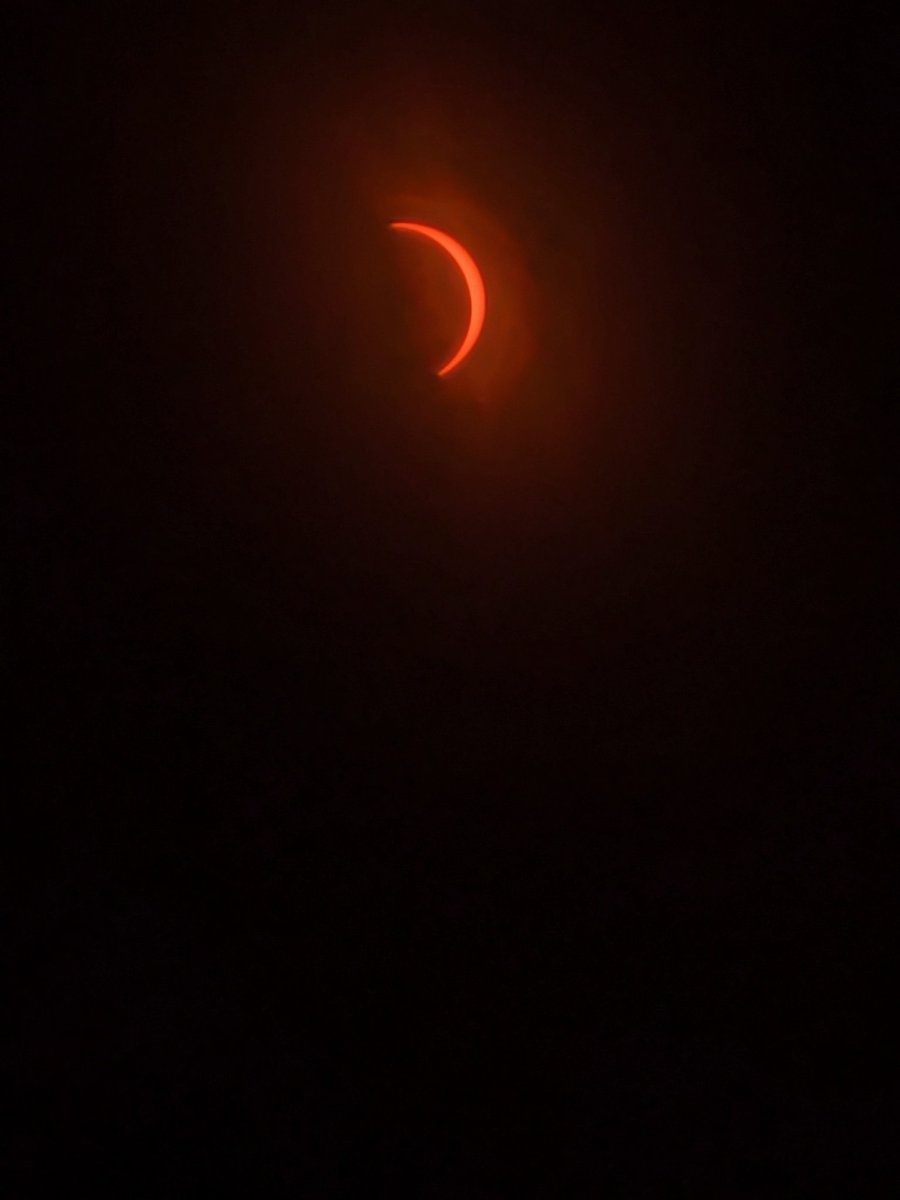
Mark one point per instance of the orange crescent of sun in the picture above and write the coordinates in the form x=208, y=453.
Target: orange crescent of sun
x=473, y=280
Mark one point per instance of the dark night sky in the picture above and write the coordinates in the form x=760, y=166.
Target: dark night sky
x=430, y=793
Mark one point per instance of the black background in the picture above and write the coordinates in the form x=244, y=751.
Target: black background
x=422, y=795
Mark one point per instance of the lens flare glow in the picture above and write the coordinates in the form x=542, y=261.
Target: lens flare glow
x=474, y=284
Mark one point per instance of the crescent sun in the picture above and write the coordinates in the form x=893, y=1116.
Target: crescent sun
x=474, y=284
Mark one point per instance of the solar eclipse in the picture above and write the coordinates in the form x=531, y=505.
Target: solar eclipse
x=473, y=281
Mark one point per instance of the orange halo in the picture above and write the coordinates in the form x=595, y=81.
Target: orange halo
x=474, y=284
